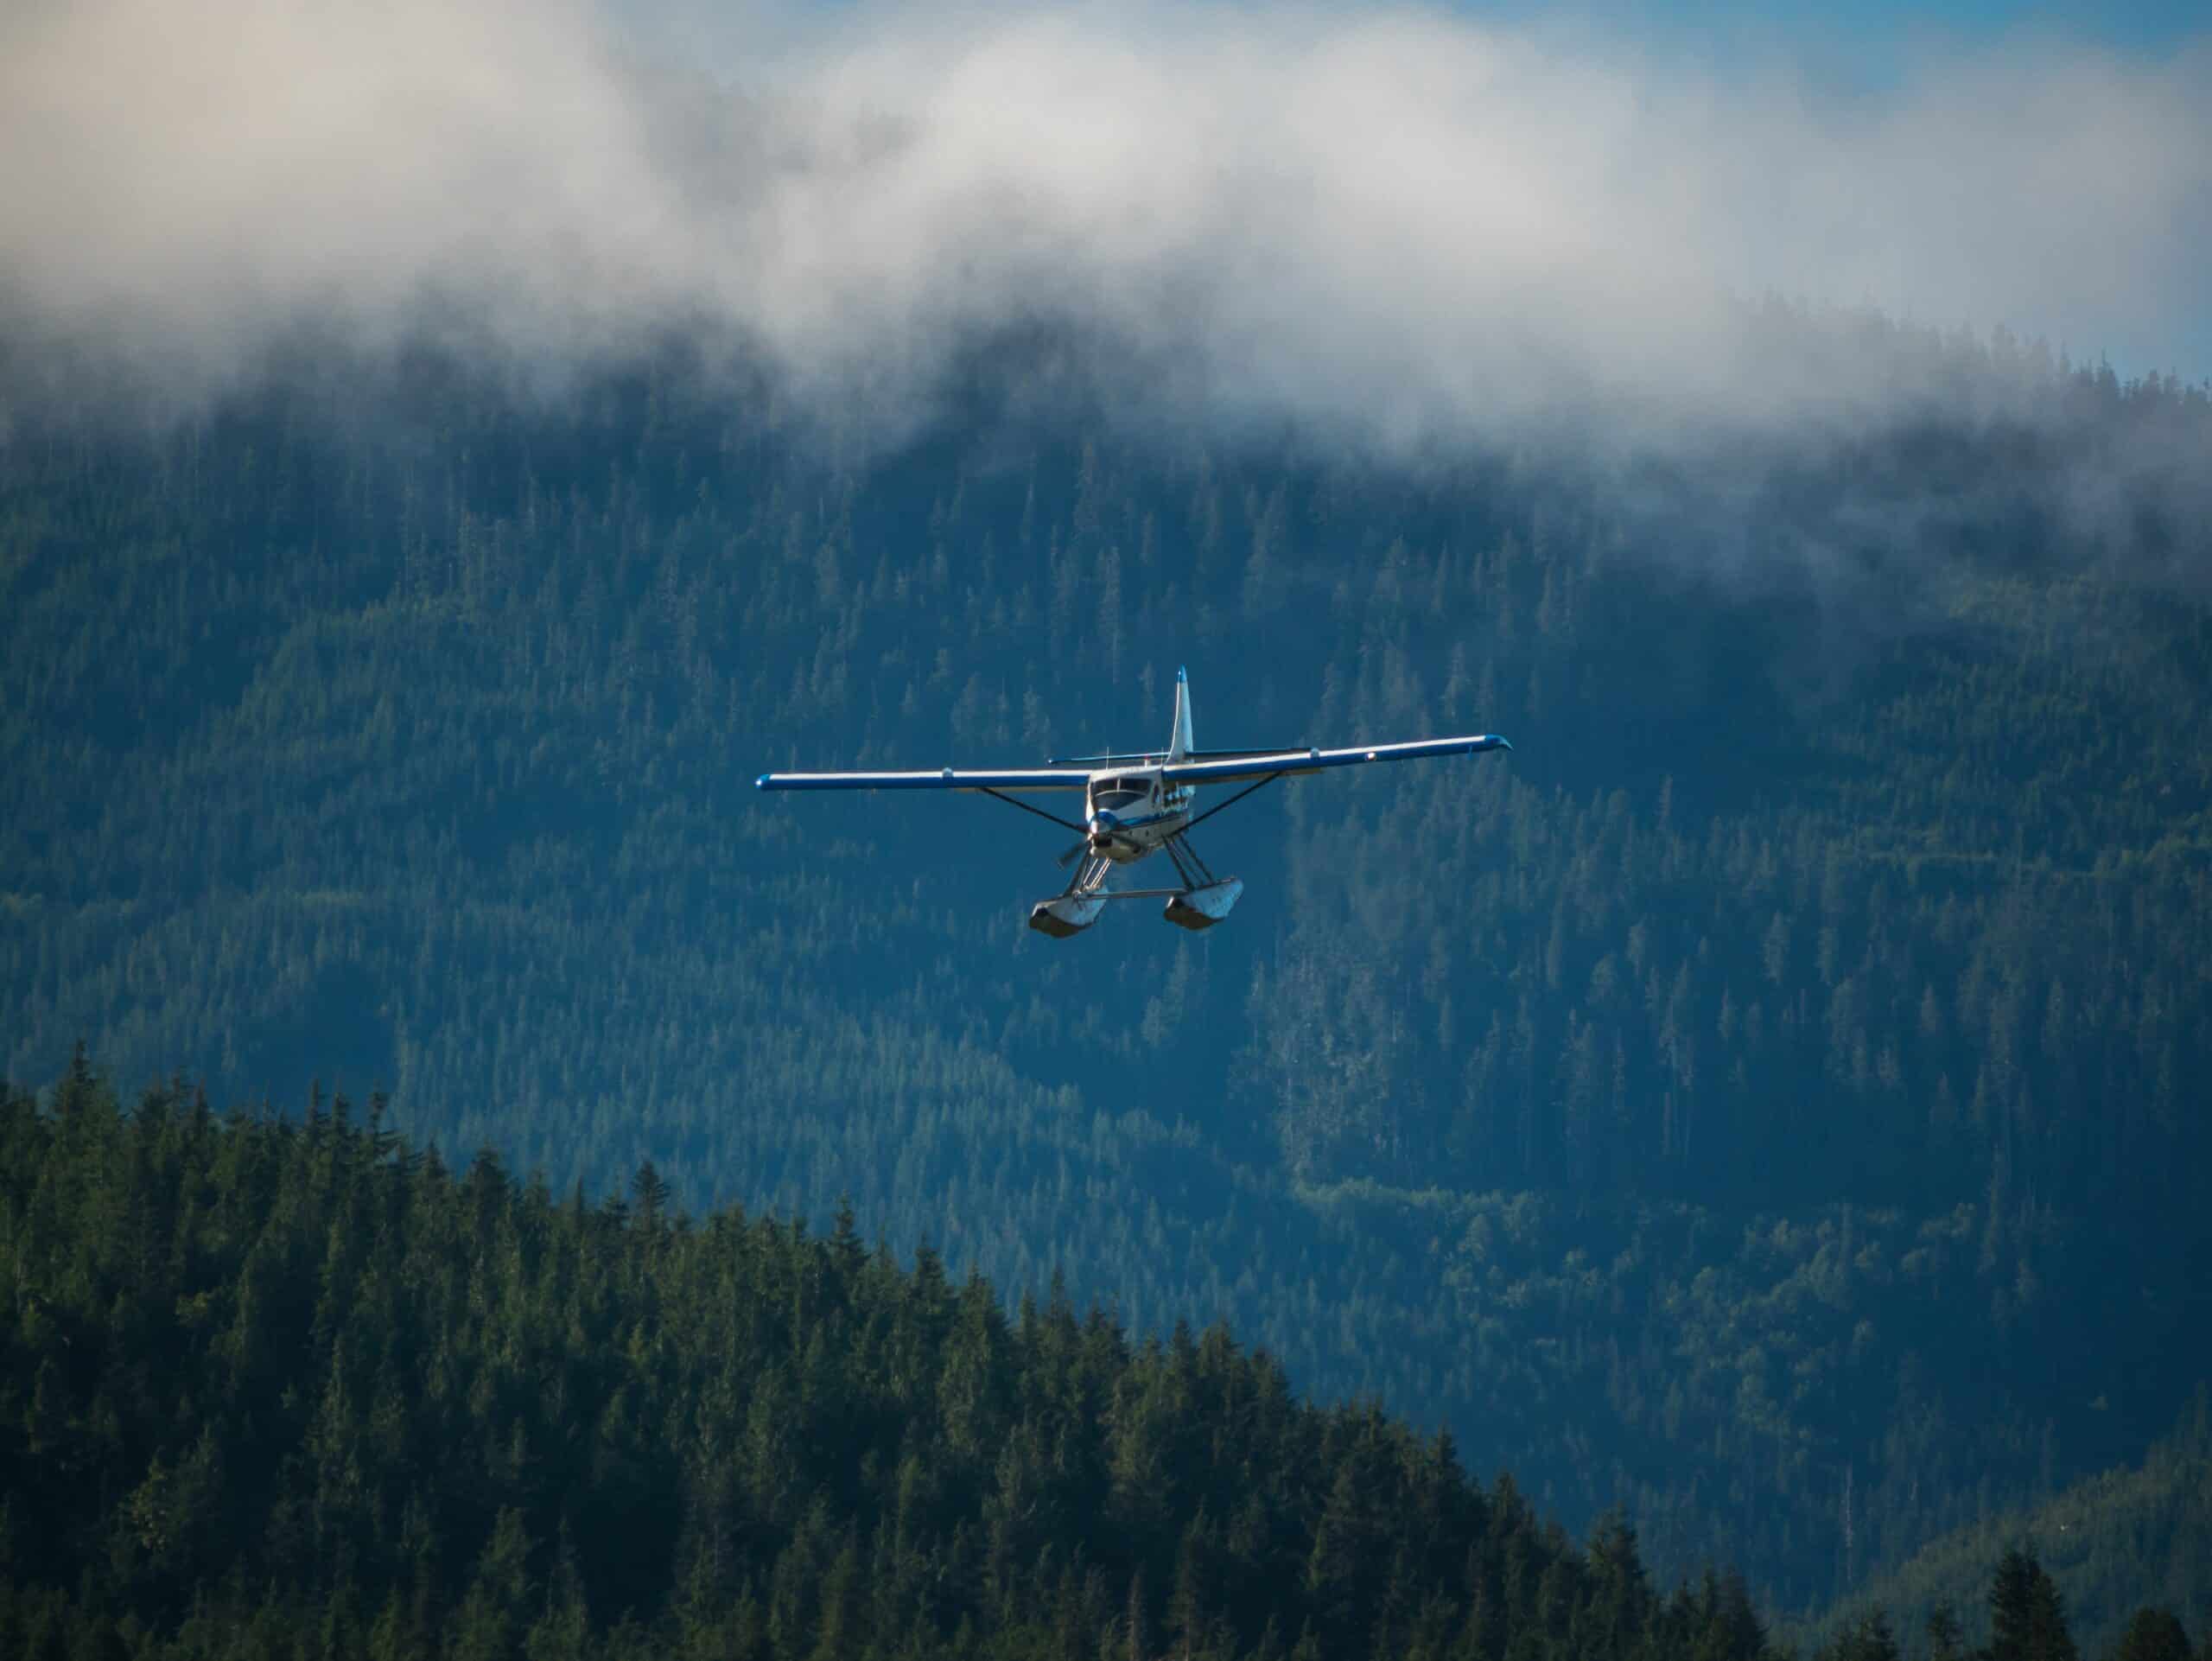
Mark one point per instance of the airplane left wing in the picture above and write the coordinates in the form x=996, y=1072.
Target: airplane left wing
x=1314, y=760
x=936, y=779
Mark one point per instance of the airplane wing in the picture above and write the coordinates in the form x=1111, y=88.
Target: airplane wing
x=937, y=779
x=1314, y=760
x=1153, y=758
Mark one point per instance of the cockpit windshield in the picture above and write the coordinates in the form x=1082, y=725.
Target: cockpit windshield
x=1119, y=793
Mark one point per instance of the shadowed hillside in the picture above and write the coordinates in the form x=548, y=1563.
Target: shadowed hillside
x=261, y=1378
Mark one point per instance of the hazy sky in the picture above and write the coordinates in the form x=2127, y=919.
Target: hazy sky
x=1402, y=220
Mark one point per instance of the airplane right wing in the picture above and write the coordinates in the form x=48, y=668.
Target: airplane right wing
x=1241, y=768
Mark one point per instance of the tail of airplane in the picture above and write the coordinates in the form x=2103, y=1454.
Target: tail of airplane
x=1179, y=743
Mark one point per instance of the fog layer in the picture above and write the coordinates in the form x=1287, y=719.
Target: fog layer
x=1401, y=226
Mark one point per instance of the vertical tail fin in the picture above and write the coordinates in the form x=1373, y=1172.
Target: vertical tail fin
x=1179, y=743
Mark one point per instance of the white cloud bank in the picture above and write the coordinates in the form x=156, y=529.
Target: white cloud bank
x=1403, y=224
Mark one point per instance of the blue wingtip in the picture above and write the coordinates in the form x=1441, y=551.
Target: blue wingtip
x=1182, y=674
x=762, y=783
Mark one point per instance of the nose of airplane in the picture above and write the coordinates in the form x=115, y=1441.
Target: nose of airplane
x=1103, y=823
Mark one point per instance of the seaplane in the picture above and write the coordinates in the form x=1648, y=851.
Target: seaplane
x=1137, y=805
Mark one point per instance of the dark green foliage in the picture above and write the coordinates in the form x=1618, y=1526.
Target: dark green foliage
x=2153, y=1635
x=1763, y=1102
x=2027, y=1617
x=2106, y=1543
x=1945, y=1637
x=1866, y=1637
x=265, y=1382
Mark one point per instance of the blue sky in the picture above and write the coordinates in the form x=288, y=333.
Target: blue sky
x=1874, y=34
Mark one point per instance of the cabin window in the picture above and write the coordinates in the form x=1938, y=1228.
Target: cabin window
x=1119, y=792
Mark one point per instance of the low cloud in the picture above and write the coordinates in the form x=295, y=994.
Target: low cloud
x=1404, y=227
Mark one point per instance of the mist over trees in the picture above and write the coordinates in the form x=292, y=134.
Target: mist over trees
x=1767, y=1103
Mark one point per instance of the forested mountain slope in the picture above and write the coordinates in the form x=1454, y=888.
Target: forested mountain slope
x=1769, y=1099
x=266, y=1384
x=2112, y=1543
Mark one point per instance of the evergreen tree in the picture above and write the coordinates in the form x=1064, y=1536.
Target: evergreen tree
x=2152, y=1634
x=2027, y=1617
x=1946, y=1639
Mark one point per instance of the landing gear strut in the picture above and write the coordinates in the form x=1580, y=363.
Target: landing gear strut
x=1202, y=900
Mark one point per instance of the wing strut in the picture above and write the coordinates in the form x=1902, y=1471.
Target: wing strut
x=1081, y=830
x=1232, y=802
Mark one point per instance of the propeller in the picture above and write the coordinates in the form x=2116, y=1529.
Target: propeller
x=1101, y=825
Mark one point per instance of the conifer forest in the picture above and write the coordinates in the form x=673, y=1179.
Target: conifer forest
x=1726, y=1179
